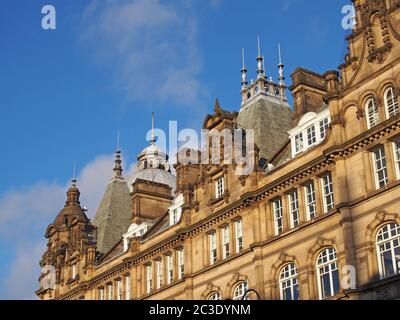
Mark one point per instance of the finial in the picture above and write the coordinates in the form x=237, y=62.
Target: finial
x=153, y=138
x=244, y=73
x=260, y=59
x=217, y=106
x=74, y=176
x=118, y=145
x=117, y=165
x=281, y=67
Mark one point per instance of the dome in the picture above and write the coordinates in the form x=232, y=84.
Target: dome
x=154, y=175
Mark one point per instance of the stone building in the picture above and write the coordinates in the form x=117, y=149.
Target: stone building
x=317, y=218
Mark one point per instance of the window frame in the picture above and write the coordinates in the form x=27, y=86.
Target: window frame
x=332, y=267
x=181, y=263
x=149, y=278
x=311, y=135
x=212, y=238
x=118, y=285
x=309, y=203
x=225, y=236
x=392, y=239
x=239, y=291
x=289, y=279
x=384, y=169
x=219, y=187
x=277, y=207
x=371, y=102
x=128, y=284
x=238, y=235
x=394, y=102
x=159, y=270
x=396, y=153
x=294, y=209
x=170, y=268
x=327, y=182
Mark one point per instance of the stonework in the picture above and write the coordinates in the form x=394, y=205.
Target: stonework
x=296, y=228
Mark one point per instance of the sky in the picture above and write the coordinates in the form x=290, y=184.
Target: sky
x=65, y=93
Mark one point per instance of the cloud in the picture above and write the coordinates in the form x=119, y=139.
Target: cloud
x=25, y=215
x=287, y=4
x=150, y=46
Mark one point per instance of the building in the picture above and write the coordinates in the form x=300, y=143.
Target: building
x=317, y=218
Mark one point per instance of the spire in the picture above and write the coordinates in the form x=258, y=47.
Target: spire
x=281, y=67
x=260, y=60
x=244, y=72
x=153, y=137
x=73, y=192
x=117, y=162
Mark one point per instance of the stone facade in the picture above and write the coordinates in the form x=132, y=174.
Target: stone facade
x=248, y=232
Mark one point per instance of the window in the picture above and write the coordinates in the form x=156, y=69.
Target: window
x=311, y=208
x=213, y=247
x=372, y=113
x=327, y=273
x=74, y=271
x=294, y=209
x=327, y=190
x=238, y=235
x=110, y=291
x=219, y=188
x=311, y=136
x=159, y=266
x=380, y=167
x=128, y=287
x=214, y=296
x=101, y=294
x=388, y=250
x=298, y=142
x=278, y=216
x=323, y=128
x=288, y=284
x=225, y=242
x=181, y=264
x=119, y=289
x=396, y=146
x=391, y=103
x=174, y=216
x=170, y=269
x=149, y=278
x=240, y=291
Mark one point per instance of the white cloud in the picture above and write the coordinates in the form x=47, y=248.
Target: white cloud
x=150, y=45
x=25, y=215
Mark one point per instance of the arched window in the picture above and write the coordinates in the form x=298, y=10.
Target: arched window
x=327, y=273
x=288, y=284
x=214, y=296
x=388, y=250
x=391, y=103
x=240, y=290
x=371, y=110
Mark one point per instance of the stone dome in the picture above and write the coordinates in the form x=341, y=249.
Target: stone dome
x=154, y=175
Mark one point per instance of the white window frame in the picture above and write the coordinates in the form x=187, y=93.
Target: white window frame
x=310, y=200
x=118, y=286
x=288, y=280
x=396, y=152
x=239, y=235
x=299, y=142
x=216, y=296
x=212, y=238
x=323, y=128
x=327, y=264
x=311, y=136
x=327, y=192
x=392, y=104
x=170, y=268
x=181, y=263
x=149, y=278
x=380, y=165
x=294, y=209
x=387, y=240
x=372, y=113
x=278, y=216
x=225, y=236
x=219, y=187
x=240, y=290
x=128, y=287
x=159, y=270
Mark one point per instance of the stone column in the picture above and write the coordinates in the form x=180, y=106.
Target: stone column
x=318, y=196
x=391, y=165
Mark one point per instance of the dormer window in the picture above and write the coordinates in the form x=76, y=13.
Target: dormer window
x=220, y=187
x=311, y=130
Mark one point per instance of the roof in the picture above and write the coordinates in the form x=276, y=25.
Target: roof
x=154, y=175
x=113, y=215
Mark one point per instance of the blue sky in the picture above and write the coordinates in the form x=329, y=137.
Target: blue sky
x=64, y=93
